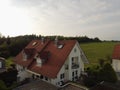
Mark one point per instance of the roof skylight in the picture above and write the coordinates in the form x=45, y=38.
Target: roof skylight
x=34, y=43
x=60, y=46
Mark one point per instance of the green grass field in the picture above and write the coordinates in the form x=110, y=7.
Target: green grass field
x=99, y=50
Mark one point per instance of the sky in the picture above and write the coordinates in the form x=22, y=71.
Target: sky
x=92, y=18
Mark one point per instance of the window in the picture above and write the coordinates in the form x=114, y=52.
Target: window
x=25, y=56
x=58, y=83
x=37, y=76
x=73, y=74
x=74, y=60
x=60, y=46
x=62, y=76
x=75, y=50
x=76, y=72
x=41, y=77
x=34, y=43
x=72, y=79
x=46, y=78
x=61, y=83
x=39, y=62
x=33, y=76
x=75, y=63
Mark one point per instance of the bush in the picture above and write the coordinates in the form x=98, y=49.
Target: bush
x=108, y=74
x=97, y=75
x=2, y=85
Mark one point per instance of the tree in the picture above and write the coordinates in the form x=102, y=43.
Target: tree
x=109, y=59
x=97, y=75
x=108, y=74
x=101, y=62
x=2, y=85
x=96, y=39
x=8, y=41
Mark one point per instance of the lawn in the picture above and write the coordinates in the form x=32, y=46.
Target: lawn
x=99, y=50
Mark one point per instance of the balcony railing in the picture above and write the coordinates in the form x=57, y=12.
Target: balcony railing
x=75, y=66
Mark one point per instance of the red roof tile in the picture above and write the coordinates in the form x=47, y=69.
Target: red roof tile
x=38, y=47
x=116, y=52
x=56, y=59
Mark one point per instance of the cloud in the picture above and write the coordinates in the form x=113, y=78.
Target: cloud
x=71, y=17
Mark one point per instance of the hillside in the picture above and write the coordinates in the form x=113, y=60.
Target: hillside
x=98, y=50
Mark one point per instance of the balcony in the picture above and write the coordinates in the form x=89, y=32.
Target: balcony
x=75, y=66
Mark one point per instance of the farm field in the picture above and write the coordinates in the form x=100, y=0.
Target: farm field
x=99, y=50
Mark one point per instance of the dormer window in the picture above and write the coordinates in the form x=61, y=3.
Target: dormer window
x=60, y=46
x=24, y=56
x=34, y=43
x=42, y=58
x=39, y=62
x=28, y=53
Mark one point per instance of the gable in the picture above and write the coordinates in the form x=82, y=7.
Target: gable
x=82, y=54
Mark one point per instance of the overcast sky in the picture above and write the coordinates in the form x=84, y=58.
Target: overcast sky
x=93, y=18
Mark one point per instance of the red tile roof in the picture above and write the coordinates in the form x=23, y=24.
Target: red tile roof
x=38, y=47
x=55, y=60
x=116, y=52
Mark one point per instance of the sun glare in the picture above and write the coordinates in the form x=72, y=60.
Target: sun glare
x=13, y=20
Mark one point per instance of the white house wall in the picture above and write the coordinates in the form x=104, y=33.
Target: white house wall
x=116, y=65
x=57, y=80
x=22, y=73
x=68, y=75
x=80, y=62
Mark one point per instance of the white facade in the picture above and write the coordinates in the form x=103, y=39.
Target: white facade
x=70, y=71
x=116, y=65
x=22, y=73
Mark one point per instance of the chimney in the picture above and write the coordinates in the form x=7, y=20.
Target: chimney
x=43, y=40
x=56, y=41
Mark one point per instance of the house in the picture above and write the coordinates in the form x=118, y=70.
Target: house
x=116, y=60
x=55, y=62
x=41, y=85
x=2, y=65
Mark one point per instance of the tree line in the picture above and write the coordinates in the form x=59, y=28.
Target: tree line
x=11, y=46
